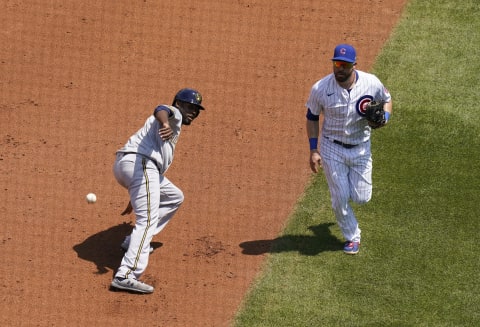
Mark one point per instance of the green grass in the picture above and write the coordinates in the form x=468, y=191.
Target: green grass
x=418, y=265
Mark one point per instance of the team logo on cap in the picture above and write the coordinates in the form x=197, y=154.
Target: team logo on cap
x=362, y=104
x=198, y=97
x=343, y=51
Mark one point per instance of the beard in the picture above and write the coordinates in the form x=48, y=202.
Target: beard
x=341, y=77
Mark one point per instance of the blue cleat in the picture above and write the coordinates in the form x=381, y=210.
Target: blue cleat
x=351, y=247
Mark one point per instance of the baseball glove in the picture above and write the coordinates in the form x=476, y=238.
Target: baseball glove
x=375, y=114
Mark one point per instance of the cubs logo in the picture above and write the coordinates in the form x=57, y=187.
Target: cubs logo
x=343, y=51
x=362, y=104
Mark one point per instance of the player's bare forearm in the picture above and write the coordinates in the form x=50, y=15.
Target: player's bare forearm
x=165, y=131
x=388, y=107
x=313, y=132
x=312, y=128
x=162, y=116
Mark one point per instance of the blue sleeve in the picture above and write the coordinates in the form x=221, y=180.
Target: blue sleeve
x=311, y=116
x=163, y=107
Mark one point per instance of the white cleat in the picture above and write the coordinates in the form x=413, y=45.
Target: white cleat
x=132, y=285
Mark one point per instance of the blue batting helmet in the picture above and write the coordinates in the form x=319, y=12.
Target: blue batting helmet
x=189, y=96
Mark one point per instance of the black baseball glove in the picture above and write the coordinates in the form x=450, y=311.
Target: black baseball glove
x=374, y=114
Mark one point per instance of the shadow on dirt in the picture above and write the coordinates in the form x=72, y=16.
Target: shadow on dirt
x=103, y=248
x=321, y=241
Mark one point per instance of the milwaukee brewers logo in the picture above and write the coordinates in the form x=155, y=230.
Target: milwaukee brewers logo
x=198, y=97
x=362, y=104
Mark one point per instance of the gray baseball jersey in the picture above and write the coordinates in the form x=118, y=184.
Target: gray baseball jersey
x=139, y=167
x=147, y=142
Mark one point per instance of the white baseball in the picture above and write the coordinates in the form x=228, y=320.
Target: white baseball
x=91, y=198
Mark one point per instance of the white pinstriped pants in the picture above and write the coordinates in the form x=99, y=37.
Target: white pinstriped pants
x=349, y=177
x=154, y=200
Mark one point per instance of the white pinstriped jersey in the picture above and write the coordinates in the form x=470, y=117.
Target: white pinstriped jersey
x=146, y=141
x=343, y=109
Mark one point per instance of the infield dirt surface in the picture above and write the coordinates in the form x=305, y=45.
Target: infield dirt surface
x=79, y=77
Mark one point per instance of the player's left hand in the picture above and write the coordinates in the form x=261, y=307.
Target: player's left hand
x=375, y=114
x=165, y=132
x=128, y=209
x=376, y=125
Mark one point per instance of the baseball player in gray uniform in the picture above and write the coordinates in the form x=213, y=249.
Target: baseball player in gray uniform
x=140, y=167
x=339, y=136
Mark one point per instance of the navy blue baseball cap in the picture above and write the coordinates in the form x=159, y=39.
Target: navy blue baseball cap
x=345, y=52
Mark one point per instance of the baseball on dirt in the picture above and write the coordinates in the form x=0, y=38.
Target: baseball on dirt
x=91, y=198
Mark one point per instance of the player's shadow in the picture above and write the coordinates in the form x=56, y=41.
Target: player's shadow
x=103, y=248
x=322, y=240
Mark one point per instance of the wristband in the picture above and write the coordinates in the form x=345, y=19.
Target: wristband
x=387, y=115
x=313, y=143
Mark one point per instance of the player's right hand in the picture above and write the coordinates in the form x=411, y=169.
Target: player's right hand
x=315, y=161
x=165, y=132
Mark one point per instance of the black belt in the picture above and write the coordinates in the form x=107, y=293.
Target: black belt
x=345, y=145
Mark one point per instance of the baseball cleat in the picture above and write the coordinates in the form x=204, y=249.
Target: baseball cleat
x=126, y=243
x=132, y=285
x=351, y=247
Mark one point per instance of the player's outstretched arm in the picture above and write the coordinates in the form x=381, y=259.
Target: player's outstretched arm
x=165, y=131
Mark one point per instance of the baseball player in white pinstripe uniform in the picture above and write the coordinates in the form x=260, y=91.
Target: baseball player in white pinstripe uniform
x=339, y=136
x=140, y=167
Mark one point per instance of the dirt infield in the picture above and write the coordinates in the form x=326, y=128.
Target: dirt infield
x=78, y=77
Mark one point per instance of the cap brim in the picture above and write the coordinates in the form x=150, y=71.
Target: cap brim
x=343, y=59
